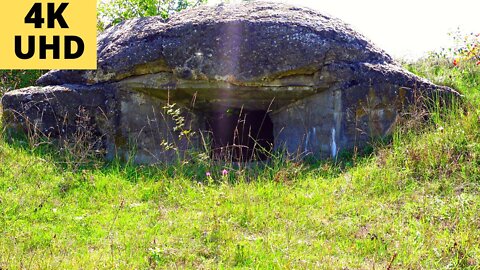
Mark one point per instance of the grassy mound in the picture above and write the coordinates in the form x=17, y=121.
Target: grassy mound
x=411, y=203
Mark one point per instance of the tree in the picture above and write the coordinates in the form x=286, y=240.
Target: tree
x=111, y=12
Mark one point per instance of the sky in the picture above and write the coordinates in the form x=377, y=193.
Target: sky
x=405, y=29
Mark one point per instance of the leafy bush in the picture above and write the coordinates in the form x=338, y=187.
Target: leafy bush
x=115, y=11
x=15, y=79
x=466, y=49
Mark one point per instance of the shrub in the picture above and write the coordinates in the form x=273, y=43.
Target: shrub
x=15, y=79
x=115, y=11
x=466, y=49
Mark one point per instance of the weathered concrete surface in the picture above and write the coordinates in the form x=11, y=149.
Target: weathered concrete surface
x=56, y=110
x=237, y=43
x=324, y=87
x=146, y=133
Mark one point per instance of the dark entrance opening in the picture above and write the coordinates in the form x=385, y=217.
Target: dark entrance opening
x=240, y=135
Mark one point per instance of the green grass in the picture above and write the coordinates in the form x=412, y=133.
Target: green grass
x=411, y=204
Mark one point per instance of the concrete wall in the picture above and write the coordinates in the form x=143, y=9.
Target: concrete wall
x=146, y=131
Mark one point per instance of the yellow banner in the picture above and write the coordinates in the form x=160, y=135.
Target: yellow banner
x=48, y=34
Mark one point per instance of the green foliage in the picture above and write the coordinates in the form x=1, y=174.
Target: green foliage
x=438, y=68
x=15, y=79
x=467, y=47
x=465, y=51
x=115, y=11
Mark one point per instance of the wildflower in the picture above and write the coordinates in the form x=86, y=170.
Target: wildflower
x=224, y=172
x=208, y=174
x=455, y=62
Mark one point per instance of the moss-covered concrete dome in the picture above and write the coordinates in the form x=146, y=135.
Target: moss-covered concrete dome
x=303, y=81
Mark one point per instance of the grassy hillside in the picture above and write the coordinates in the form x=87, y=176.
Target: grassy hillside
x=413, y=203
